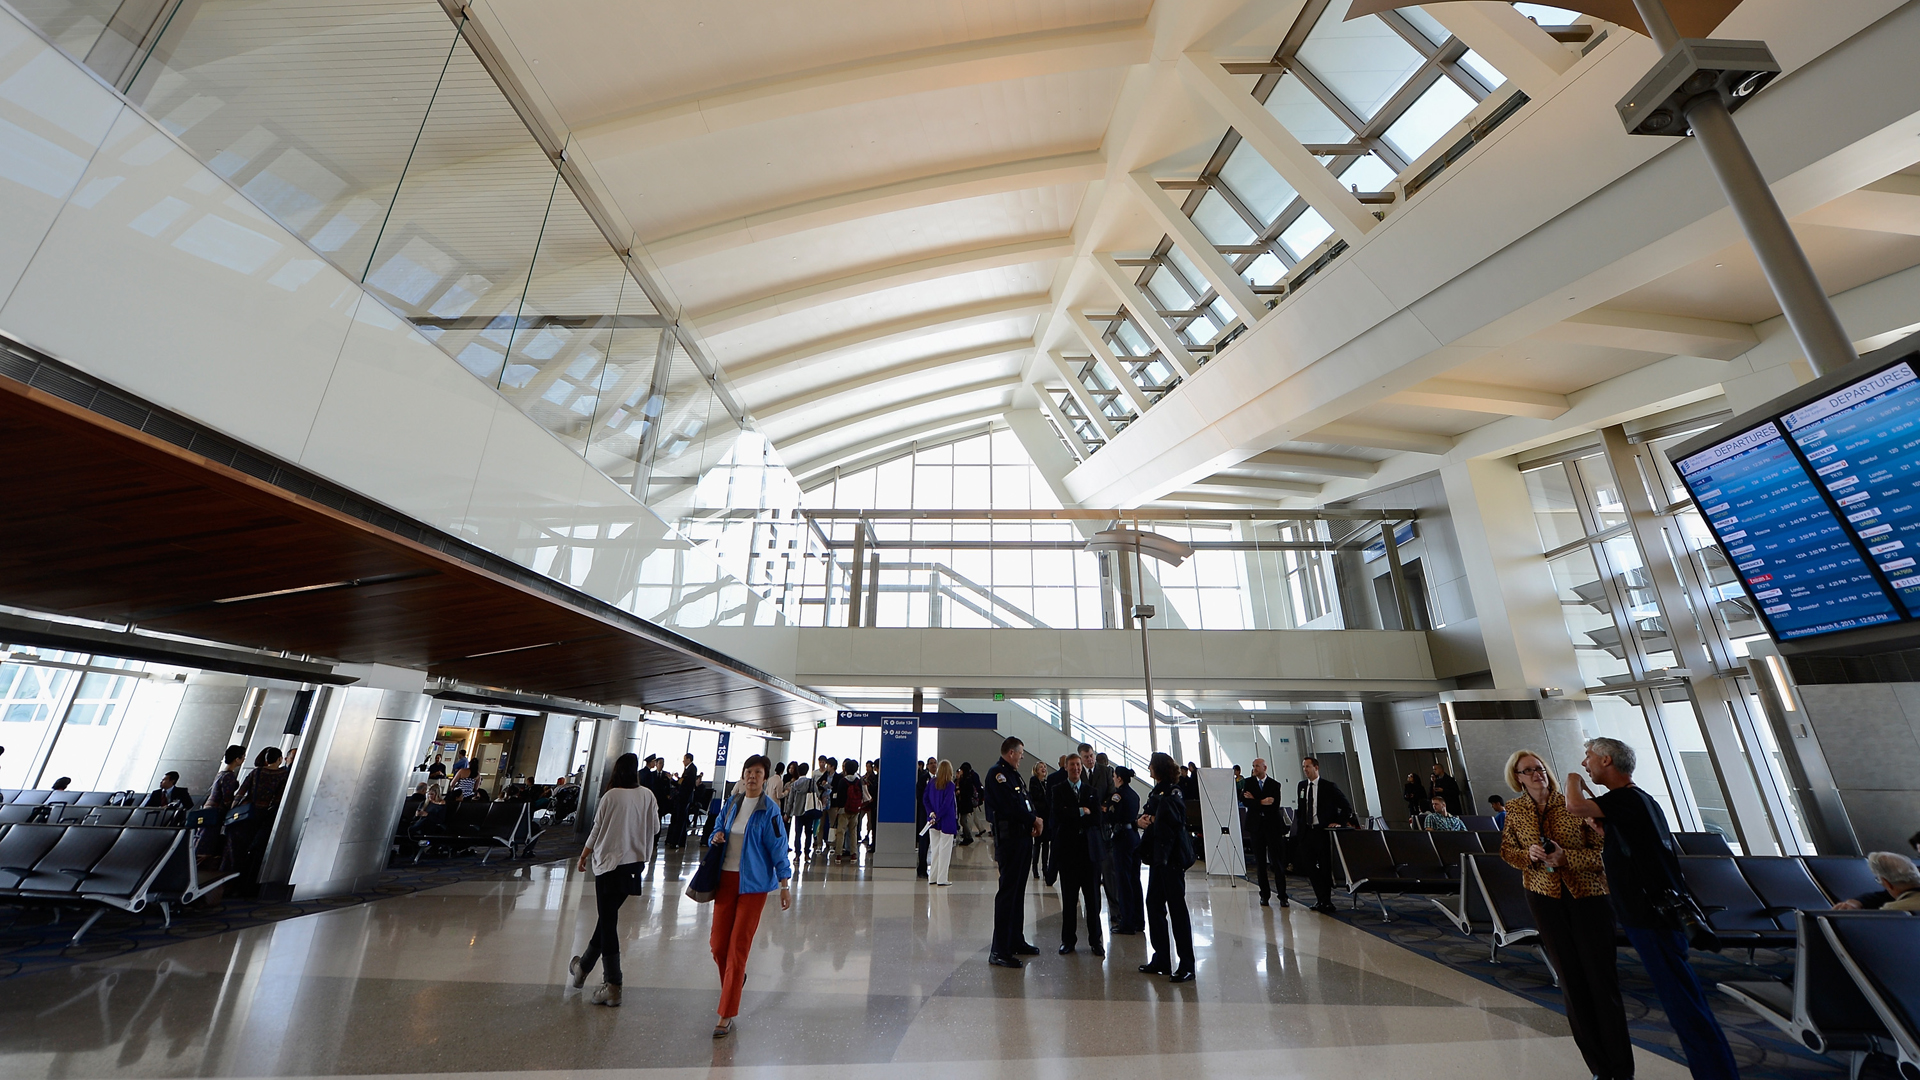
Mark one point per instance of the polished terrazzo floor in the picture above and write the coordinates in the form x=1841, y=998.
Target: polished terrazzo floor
x=863, y=975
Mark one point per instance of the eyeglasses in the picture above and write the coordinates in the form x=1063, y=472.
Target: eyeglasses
x=1535, y=771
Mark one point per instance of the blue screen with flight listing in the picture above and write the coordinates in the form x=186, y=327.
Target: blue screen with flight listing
x=1863, y=441
x=1796, y=558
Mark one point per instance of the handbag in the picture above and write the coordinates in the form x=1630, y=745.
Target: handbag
x=706, y=880
x=240, y=813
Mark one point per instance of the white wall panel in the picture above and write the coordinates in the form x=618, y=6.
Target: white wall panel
x=52, y=119
x=161, y=279
x=372, y=427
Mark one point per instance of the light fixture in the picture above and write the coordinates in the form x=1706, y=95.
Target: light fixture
x=1164, y=548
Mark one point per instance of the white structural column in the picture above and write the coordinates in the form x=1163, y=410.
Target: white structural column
x=1090, y=335
x=1220, y=274
x=1047, y=454
x=1079, y=391
x=1528, y=56
x=1269, y=138
x=1147, y=314
x=1512, y=586
x=1060, y=421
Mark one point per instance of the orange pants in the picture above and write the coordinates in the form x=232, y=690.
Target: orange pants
x=736, y=918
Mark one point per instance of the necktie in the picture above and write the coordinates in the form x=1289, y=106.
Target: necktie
x=1313, y=802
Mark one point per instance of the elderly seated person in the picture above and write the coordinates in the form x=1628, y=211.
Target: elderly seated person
x=1440, y=819
x=1899, y=879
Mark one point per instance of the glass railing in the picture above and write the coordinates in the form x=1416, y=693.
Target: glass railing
x=378, y=134
x=1014, y=569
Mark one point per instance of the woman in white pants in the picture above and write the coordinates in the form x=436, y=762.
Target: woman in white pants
x=943, y=810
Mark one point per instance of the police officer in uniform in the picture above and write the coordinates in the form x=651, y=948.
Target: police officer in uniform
x=1014, y=827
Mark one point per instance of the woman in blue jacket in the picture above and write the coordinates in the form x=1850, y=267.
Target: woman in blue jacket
x=755, y=837
x=943, y=810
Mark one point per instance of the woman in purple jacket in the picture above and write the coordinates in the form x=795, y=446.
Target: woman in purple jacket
x=944, y=811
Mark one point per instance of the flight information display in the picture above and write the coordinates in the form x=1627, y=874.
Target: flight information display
x=1863, y=442
x=1798, y=561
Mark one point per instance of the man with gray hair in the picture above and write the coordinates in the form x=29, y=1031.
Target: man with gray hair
x=1899, y=877
x=1642, y=868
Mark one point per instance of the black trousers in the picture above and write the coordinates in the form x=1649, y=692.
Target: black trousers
x=610, y=890
x=1015, y=853
x=1123, y=881
x=677, y=832
x=1167, y=903
x=1268, y=847
x=1313, y=856
x=1081, y=882
x=1577, y=933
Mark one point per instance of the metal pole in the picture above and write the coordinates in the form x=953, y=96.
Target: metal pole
x=859, y=571
x=1146, y=662
x=1397, y=576
x=1809, y=313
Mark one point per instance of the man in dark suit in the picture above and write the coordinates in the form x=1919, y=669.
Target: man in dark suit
x=683, y=802
x=1321, y=805
x=169, y=793
x=1077, y=847
x=1446, y=787
x=1266, y=829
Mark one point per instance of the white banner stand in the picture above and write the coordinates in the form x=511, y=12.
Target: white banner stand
x=1220, y=825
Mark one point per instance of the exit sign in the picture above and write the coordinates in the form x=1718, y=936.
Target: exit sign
x=999, y=695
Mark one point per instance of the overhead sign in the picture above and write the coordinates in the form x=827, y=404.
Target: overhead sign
x=978, y=720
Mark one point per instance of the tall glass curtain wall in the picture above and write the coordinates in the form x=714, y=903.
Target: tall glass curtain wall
x=68, y=714
x=373, y=131
x=1631, y=637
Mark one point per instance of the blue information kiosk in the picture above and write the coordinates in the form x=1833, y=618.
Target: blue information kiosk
x=895, y=841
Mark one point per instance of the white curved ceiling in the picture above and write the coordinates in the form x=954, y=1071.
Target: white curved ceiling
x=887, y=221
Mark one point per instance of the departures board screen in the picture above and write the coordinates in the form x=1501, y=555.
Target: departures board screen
x=1817, y=506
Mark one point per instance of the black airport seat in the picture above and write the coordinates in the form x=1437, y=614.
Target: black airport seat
x=67, y=863
x=1822, y=1008
x=1492, y=897
x=1842, y=877
x=22, y=848
x=1366, y=865
x=1733, y=909
x=1783, y=885
x=30, y=797
x=8, y=794
x=1881, y=951
x=1489, y=841
x=1702, y=843
x=1479, y=822
x=19, y=813
x=1452, y=846
x=1414, y=857
x=94, y=798
x=132, y=863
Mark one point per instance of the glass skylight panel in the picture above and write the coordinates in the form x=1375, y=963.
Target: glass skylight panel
x=1258, y=187
x=1368, y=174
x=1186, y=269
x=1304, y=115
x=1488, y=76
x=1428, y=26
x=1306, y=233
x=1218, y=223
x=1135, y=342
x=1265, y=270
x=1363, y=61
x=1221, y=313
x=1167, y=292
x=1426, y=120
x=1549, y=16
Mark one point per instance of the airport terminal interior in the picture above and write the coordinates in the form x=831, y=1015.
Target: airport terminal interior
x=1300, y=423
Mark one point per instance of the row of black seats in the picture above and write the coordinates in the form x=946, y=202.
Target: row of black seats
x=101, y=867
x=88, y=814
x=1855, y=989
x=41, y=796
x=469, y=824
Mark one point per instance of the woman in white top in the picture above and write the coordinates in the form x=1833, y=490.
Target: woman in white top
x=755, y=838
x=624, y=825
